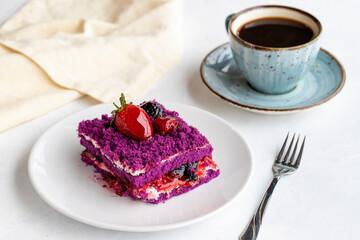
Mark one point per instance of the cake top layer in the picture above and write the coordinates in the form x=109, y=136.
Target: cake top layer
x=141, y=154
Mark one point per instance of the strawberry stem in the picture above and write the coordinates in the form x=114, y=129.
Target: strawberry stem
x=122, y=100
x=123, y=104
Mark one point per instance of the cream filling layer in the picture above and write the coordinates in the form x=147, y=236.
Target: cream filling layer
x=126, y=168
x=118, y=164
x=100, y=165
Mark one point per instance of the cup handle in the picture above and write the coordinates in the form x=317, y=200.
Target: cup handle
x=227, y=20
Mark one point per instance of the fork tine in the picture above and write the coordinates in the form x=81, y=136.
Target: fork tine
x=289, y=149
x=294, y=152
x=278, y=158
x=297, y=163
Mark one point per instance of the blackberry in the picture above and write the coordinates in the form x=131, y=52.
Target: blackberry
x=190, y=171
x=194, y=177
x=180, y=170
x=153, y=109
x=191, y=175
x=192, y=165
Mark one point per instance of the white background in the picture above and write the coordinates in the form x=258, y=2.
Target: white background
x=321, y=201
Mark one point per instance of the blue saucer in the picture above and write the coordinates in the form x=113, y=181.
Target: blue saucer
x=325, y=79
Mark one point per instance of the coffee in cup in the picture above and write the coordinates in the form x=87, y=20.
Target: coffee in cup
x=274, y=46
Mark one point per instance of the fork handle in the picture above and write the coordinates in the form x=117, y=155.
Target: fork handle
x=252, y=230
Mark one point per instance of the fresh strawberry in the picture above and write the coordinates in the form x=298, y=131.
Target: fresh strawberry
x=165, y=125
x=132, y=121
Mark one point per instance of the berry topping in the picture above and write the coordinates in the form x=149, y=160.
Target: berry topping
x=164, y=125
x=153, y=109
x=132, y=121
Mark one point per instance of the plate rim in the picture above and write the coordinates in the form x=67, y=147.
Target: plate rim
x=272, y=110
x=127, y=228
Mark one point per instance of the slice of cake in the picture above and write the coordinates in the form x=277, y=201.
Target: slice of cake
x=153, y=155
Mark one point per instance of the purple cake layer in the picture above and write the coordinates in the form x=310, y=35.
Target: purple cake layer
x=139, y=162
x=119, y=188
x=155, y=172
x=109, y=177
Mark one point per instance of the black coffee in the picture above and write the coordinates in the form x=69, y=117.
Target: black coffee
x=275, y=32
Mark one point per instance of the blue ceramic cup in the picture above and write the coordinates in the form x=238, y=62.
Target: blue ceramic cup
x=273, y=70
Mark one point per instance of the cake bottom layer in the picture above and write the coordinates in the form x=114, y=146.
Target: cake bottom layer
x=169, y=185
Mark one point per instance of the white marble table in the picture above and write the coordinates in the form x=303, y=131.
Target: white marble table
x=320, y=202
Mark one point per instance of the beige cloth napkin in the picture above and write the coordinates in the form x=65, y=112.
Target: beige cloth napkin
x=54, y=51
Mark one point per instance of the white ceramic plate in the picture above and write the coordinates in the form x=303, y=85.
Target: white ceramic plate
x=66, y=184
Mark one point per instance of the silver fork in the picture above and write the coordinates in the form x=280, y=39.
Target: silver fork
x=281, y=167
